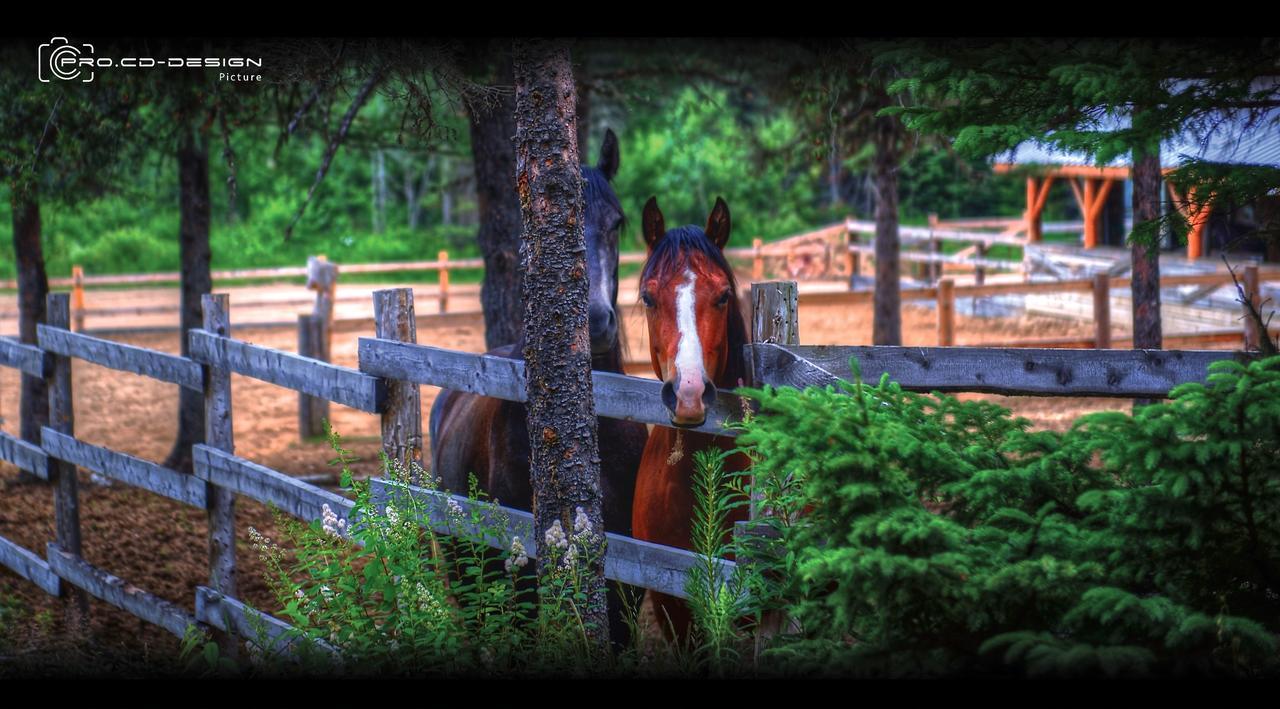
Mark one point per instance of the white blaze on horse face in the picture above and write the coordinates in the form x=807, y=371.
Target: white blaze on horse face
x=689, y=364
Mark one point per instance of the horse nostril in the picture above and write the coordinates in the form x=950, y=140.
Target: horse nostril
x=708, y=392
x=669, y=397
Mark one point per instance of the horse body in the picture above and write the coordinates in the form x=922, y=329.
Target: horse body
x=696, y=338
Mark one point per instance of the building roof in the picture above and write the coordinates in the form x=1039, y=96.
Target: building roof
x=1235, y=139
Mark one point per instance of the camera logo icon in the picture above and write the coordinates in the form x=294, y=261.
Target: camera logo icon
x=59, y=59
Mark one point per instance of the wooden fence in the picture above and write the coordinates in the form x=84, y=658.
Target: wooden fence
x=391, y=367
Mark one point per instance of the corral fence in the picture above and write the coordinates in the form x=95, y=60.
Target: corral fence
x=391, y=368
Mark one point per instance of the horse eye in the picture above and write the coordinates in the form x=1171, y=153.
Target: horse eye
x=724, y=299
x=648, y=301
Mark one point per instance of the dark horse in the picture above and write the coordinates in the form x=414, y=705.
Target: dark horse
x=489, y=437
x=696, y=338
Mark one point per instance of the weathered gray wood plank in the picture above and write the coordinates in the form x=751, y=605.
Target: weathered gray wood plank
x=616, y=395
x=29, y=566
x=66, y=496
x=119, y=593
x=628, y=560
x=26, y=456
x=27, y=359
x=265, y=485
x=1013, y=371
x=127, y=358
x=233, y=616
x=345, y=386
x=125, y=468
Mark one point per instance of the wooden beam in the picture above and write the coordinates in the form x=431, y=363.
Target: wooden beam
x=27, y=456
x=616, y=395
x=119, y=356
x=1101, y=311
x=1080, y=201
x=946, y=312
x=66, y=496
x=401, y=423
x=29, y=566
x=630, y=561
x=233, y=616
x=116, y=591
x=27, y=359
x=339, y=384
x=125, y=468
x=219, y=433
x=243, y=477
x=1014, y=372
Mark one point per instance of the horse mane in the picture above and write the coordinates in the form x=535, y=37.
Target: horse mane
x=671, y=254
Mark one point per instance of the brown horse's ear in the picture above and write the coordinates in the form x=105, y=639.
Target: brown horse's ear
x=609, y=158
x=718, y=224
x=653, y=224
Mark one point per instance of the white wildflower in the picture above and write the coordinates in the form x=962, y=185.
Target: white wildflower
x=453, y=510
x=580, y=522
x=326, y=593
x=330, y=522
x=298, y=592
x=519, y=555
x=555, y=536
x=392, y=515
x=570, y=558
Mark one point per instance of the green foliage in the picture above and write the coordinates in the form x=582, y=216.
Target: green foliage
x=944, y=537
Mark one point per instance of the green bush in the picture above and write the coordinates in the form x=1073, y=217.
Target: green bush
x=944, y=537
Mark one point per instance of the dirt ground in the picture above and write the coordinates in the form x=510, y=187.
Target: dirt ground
x=161, y=546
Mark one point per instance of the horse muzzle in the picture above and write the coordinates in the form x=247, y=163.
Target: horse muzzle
x=688, y=403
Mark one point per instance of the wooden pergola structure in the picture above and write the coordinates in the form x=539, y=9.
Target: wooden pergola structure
x=1091, y=187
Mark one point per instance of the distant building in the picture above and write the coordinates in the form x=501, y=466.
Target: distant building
x=1104, y=193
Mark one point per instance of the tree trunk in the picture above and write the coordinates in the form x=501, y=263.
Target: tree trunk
x=33, y=286
x=193, y=239
x=564, y=457
x=887, y=319
x=492, y=130
x=1145, y=257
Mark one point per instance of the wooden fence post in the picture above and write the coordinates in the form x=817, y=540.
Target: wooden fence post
x=402, y=419
x=77, y=298
x=1101, y=311
x=775, y=317
x=933, y=268
x=66, y=495
x=980, y=272
x=312, y=410
x=1252, y=334
x=443, y=257
x=218, y=434
x=946, y=312
x=322, y=277
x=757, y=260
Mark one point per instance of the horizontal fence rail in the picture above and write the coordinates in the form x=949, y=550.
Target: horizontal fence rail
x=29, y=566
x=119, y=593
x=115, y=355
x=342, y=385
x=125, y=468
x=27, y=359
x=1014, y=372
x=258, y=482
x=233, y=616
x=616, y=395
x=27, y=456
x=630, y=561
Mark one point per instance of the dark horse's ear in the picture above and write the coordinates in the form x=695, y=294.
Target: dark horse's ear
x=654, y=226
x=718, y=224
x=609, y=158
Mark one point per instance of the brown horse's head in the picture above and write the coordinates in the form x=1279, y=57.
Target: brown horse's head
x=696, y=331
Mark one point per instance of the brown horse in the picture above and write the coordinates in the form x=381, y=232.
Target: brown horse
x=696, y=338
x=490, y=438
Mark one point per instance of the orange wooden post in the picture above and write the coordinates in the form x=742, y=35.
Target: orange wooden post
x=1095, y=198
x=1252, y=333
x=77, y=298
x=1198, y=218
x=757, y=260
x=847, y=255
x=444, y=281
x=946, y=312
x=1035, y=205
x=1101, y=311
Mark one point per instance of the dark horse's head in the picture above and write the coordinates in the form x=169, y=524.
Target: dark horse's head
x=696, y=330
x=602, y=222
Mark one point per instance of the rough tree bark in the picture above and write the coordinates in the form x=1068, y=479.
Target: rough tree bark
x=193, y=239
x=1145, y=259
x=565, y=459
x=887, y=319
x=33, y=286
x=494, y=158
